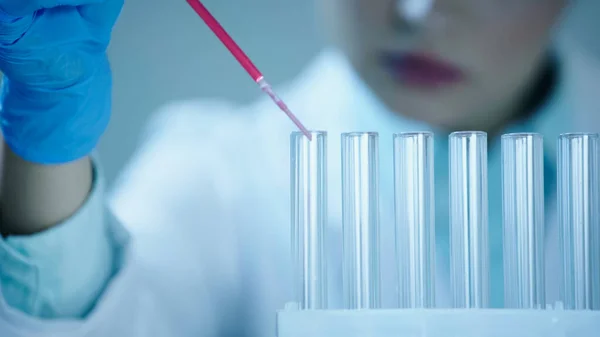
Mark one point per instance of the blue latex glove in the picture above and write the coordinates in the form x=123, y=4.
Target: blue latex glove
x=56, y=95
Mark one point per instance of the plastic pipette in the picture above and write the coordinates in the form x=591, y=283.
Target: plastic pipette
x=244, y=60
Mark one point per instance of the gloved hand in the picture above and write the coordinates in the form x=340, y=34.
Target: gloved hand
x=56, y=95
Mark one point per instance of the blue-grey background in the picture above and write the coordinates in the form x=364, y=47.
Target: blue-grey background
x=162, y=52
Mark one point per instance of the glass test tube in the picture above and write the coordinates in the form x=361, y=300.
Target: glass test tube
x=579, y=220
x=415, y=219
x=523, y=225
x=360, y=208
x=309, y=217
x=469, y=250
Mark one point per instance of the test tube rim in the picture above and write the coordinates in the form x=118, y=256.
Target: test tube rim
x=412, y=134
x=522, y=135
x=575, y=135
x=360, y=134
x=460, y=134
x=312, y=132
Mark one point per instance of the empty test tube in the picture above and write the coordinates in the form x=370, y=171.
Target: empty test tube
x=523, y=225
x=415, y=220
x=469, y=250
x=309, y=216
x=579, y=220
x=360, y=208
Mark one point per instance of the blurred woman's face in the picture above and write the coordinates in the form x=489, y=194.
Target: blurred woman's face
x=463, y=67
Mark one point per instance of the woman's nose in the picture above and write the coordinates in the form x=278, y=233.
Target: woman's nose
x=414, y=12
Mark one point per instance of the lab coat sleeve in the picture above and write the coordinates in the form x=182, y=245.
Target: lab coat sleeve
x=85, y=278
x=61, y=272
x=177, y=276
x=179, y=196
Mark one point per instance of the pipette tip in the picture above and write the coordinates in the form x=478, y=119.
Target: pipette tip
x=294, y=119
x=266, y=87
x=243, y=59
x=296, y=122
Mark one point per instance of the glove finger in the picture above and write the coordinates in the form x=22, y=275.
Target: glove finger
x=104, y=14
x=12, y=28
x=20, y=8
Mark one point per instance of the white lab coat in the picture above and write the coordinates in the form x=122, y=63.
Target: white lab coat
x=207, y=203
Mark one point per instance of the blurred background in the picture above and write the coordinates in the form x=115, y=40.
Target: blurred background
x=161, y=52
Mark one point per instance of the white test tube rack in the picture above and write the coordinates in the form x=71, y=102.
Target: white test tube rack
x=552, y=322
x=295, y=320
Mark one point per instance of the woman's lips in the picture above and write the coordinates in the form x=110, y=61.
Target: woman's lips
x=420, y=70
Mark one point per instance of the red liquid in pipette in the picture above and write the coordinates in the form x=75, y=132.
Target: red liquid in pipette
x=244, y=60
